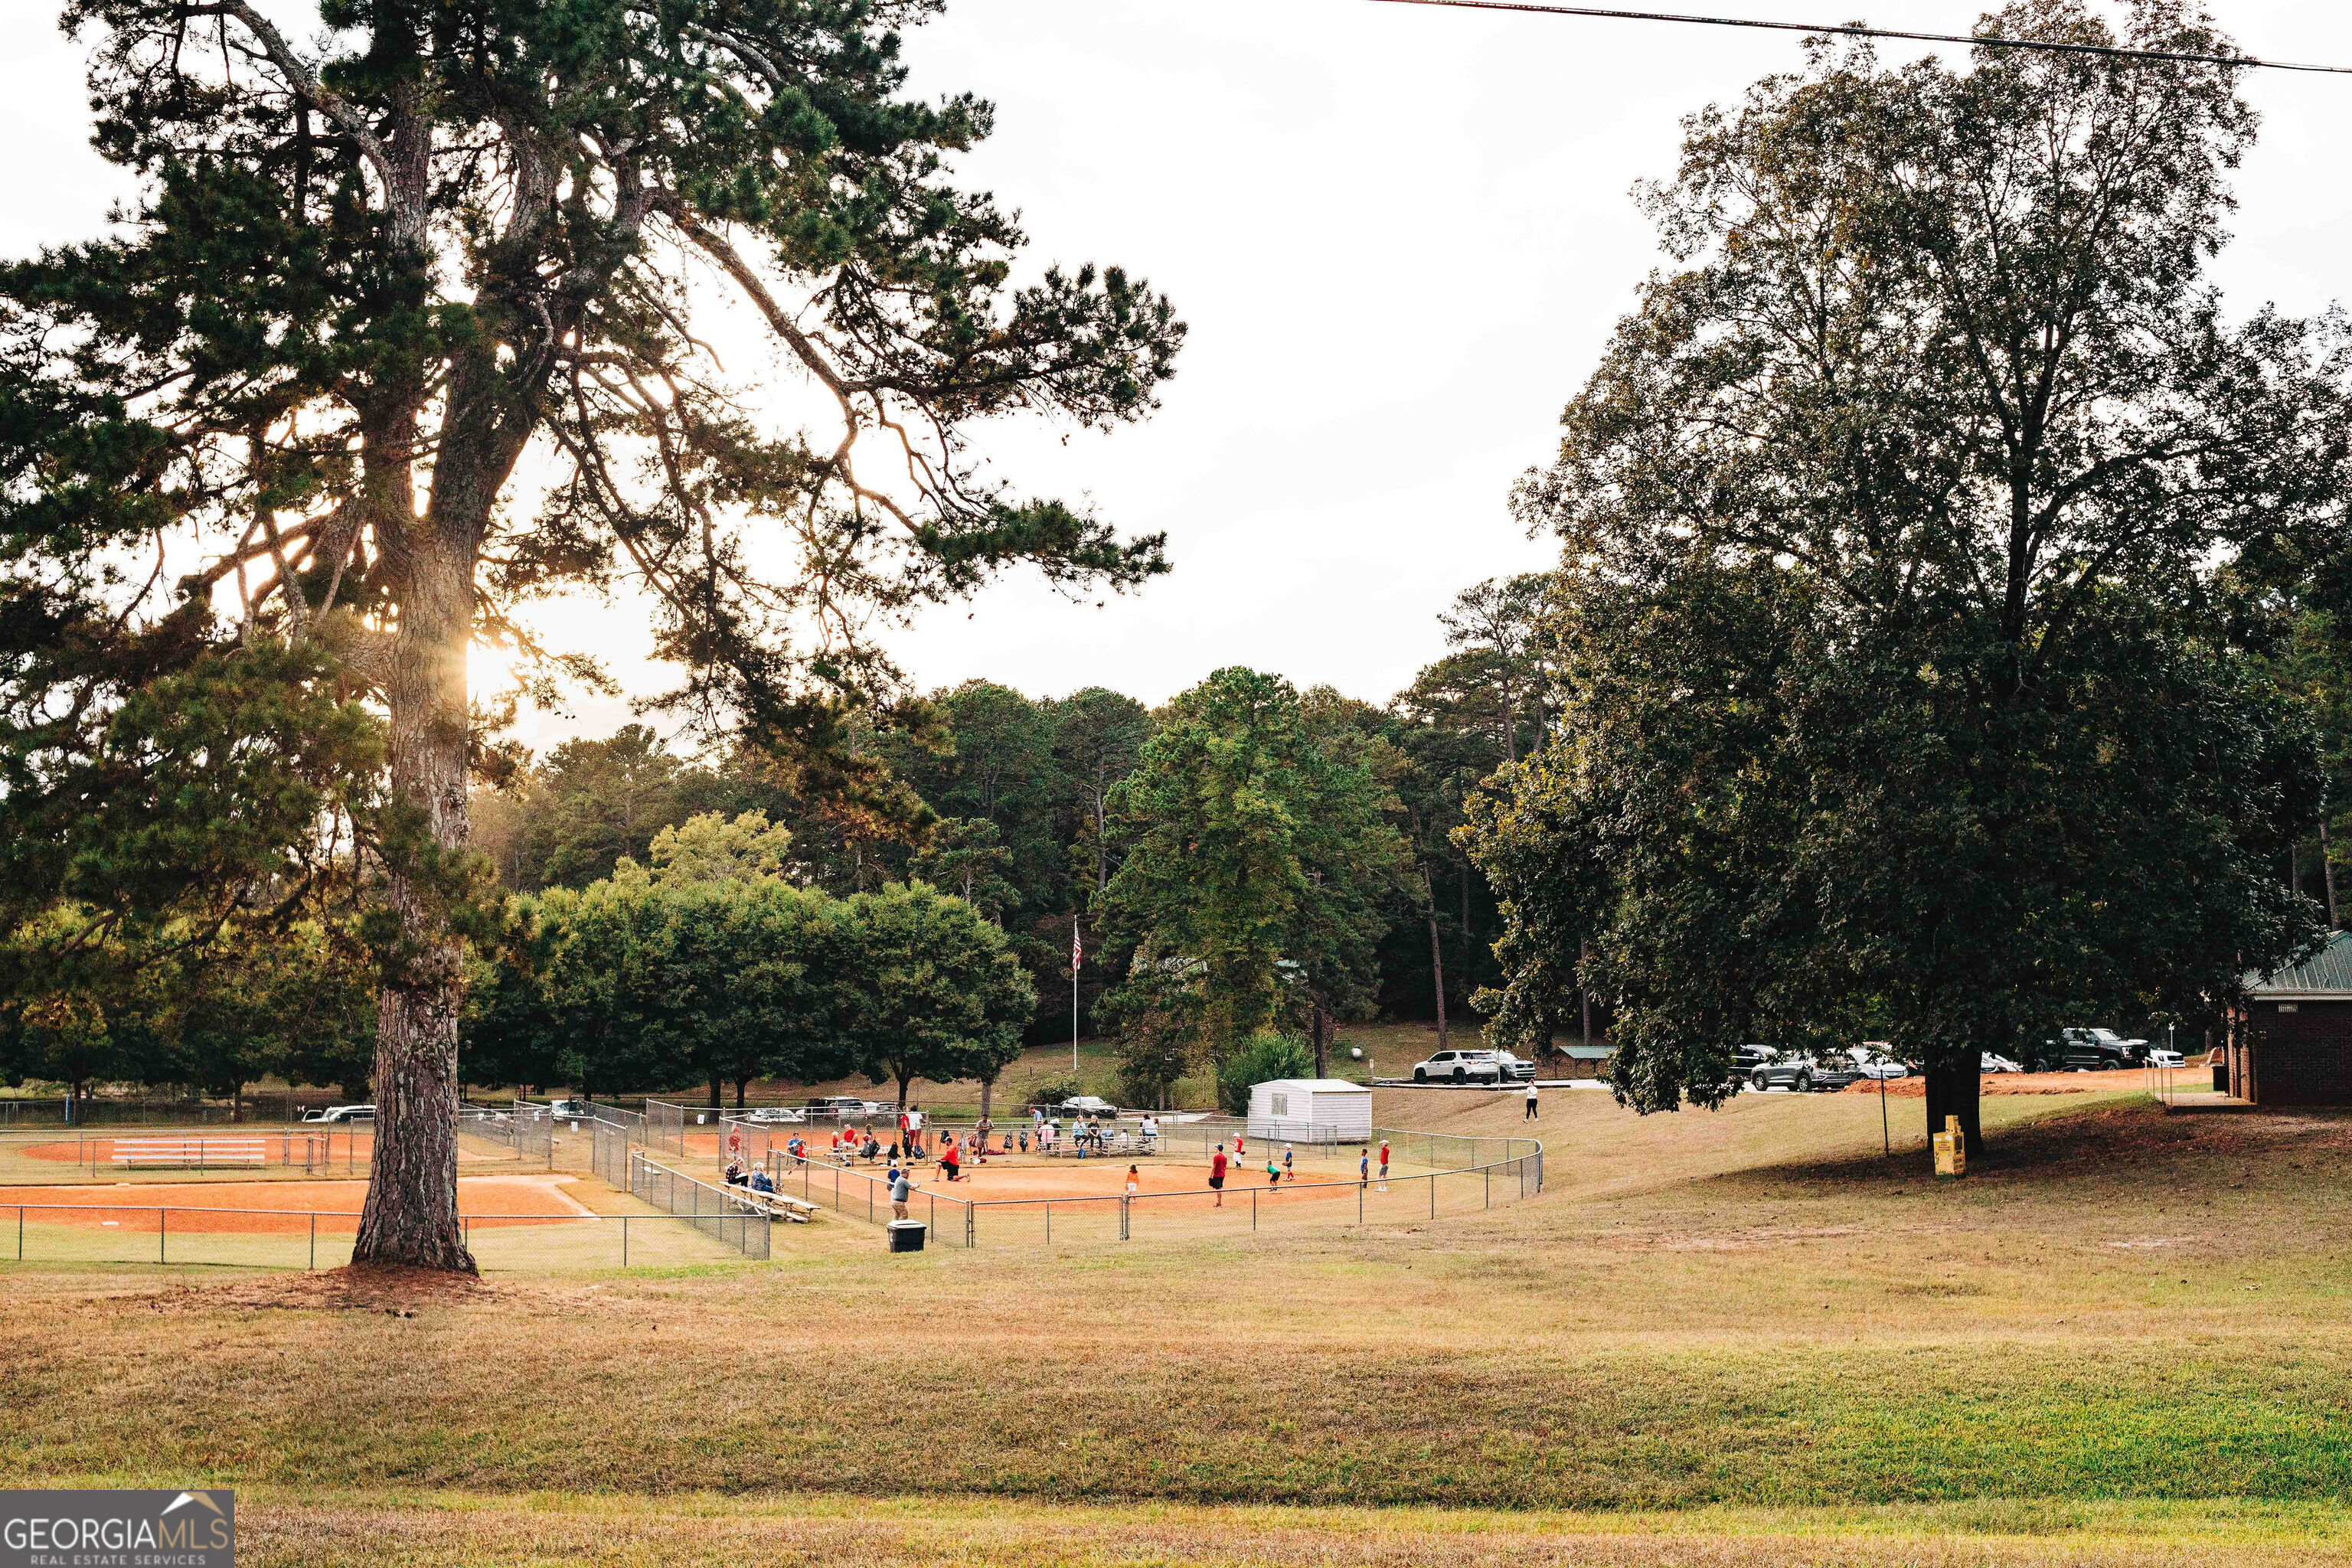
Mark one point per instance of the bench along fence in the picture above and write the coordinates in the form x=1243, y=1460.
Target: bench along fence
x=712, y=1209
x=310, y=1151
x=1246, y=1203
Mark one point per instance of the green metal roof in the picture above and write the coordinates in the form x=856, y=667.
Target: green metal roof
x=1587, y=1053
x=2330, y=969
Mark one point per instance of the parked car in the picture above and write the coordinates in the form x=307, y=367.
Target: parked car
x=1748, y=1057
x=570, y=1109
x=770, y=1114
x=342, y=1113
x=1088, y=1105
x=1988, y=1062
x=1459, y=1066
x=1871, y=1061
x=1515, y=1070
x=2099, y=1049
x=841, y=1107
x=2159, y=1057
x=1803, y=1073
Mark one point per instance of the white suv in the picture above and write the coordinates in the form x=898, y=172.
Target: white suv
x=1460, y=1067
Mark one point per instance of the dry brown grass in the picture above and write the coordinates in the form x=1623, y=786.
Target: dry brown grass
x=833, y=1530
x=1745, y=1311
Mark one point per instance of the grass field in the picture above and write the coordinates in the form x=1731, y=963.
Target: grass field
x=1739, y=1338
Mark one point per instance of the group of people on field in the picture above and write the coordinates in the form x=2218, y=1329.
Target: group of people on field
x=1278, y=1172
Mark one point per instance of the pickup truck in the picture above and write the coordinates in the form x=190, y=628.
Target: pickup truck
x=2097, y=1051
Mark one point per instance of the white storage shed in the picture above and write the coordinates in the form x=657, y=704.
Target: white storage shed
x=1310, y=1110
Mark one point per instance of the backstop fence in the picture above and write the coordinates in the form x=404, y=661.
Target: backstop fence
x=664, y=1127
x=310, y=1153
x=1497, y=1170
x=714, y=1211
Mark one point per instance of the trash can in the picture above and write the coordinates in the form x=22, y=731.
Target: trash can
x=2220, y=1074
x=907, y=1234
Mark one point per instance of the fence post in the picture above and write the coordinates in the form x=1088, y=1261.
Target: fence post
x=1359, y=1203
x=1432, y=1197
x=624, y=1241
x=1490, y=1186
x=20, y=1232
x=160, y=1215
x=314, y=1239
x=1252, y=1208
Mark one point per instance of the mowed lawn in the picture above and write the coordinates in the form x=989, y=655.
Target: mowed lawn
x=1741, y=1337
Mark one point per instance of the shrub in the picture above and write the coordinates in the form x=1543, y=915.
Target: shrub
x=1265, y=1055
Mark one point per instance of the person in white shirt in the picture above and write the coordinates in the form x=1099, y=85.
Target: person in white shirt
x=1532, y=1115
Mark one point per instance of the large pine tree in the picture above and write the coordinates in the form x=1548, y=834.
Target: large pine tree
x=401, y=329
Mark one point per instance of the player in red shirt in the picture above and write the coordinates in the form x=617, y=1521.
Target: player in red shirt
x=1384, y=1165
x=1217, y=1176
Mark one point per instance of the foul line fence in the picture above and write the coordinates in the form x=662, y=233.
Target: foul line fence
x=863, y=1194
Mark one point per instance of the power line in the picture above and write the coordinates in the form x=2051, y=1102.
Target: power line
x=1856, y=31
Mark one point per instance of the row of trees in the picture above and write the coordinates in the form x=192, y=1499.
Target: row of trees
x=1032, y=811
x=710, y=966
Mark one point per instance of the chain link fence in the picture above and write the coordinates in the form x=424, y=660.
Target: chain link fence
x=714, y=1211
x=664, y=1127
x=1493, y=1171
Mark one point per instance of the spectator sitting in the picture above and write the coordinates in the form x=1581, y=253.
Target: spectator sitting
x=760, y=1182
x=734, y=1173
x=872, y=1151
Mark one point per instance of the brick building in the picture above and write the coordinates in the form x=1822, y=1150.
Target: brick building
x=2292, y=1046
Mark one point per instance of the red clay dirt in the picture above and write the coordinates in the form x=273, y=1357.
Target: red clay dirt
x=2031, y=1083
x=1032, y=1177
x=508, y=1200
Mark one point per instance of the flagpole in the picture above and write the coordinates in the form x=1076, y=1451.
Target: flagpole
x=1078, y=956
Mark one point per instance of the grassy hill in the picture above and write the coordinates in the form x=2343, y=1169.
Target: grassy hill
x=1745, y=1337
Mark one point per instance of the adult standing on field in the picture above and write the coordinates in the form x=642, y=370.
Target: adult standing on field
x=900, y=1191
x=1532, y=1115
x=1217, y=1176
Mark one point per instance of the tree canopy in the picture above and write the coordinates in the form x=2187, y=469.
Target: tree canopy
x=1249, y=842
x=1896, y=690
x=396, y=333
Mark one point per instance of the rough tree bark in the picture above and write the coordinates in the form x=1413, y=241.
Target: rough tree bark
x=1437, y=954
x=410, y=1215
x=1956, y=1088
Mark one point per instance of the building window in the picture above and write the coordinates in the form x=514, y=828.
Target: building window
x=1281, y=1104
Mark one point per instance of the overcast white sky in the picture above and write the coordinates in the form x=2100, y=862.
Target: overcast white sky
x=1400, y=235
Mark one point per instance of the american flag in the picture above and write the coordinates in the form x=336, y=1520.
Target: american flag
x=1078, y=948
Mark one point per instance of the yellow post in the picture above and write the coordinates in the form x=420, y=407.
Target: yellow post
x=1951, y=1148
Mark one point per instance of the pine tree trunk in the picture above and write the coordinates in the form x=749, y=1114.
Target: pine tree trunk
x=1436, y=959
x=411, y=1217
x=2327, y=866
